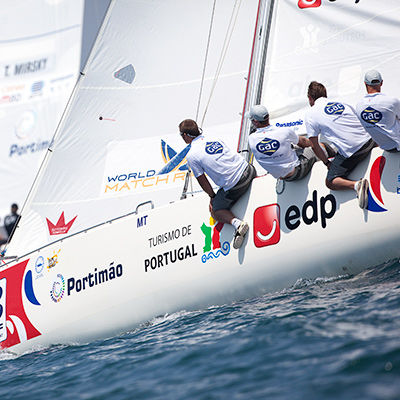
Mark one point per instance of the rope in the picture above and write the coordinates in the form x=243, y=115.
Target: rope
x=189, y=171
x=205, y=59
x=227, y=40
x=228, y=37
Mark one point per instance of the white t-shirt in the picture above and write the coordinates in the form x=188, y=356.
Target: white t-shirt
x=339, y=123
x=211, y=156
x=272, y=149
x=379, y=114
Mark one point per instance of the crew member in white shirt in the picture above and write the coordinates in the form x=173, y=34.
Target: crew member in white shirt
x=379, y=114
x=338, y=122
x=210, y=156
x=272, y=147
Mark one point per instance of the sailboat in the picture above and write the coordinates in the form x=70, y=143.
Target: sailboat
x=114, y=233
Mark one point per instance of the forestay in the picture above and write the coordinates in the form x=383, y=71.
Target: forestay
x=120, y=128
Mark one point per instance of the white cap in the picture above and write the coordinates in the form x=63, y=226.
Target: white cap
x=373, y=77
x=258, y=112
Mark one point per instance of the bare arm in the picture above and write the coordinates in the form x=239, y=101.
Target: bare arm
x=205, y=185
x=304, y=142
x=318, y=150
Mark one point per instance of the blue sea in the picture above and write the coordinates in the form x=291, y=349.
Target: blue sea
x=336, y=338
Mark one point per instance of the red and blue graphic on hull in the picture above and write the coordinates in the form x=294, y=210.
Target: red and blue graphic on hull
x=375, y=177
x=17, y=327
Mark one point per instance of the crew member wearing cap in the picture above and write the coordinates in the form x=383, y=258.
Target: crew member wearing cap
x=272, y=147
x=338, y=122
x=210, y=156
x=379, y=114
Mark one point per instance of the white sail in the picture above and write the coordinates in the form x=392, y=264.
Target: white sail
x=40, y=48
x=143, y=77
x=332, y=42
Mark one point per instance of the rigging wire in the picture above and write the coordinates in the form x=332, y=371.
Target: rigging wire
x=188, y=177
x=205, y=59
x=228, y=36
x=227, y=40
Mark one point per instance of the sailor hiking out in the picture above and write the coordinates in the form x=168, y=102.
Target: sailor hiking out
x=379, y=113
x=210, y=156
x=338, y=122
x=280, y=151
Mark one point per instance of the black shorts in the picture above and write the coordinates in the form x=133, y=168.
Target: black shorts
x=342, y=166
x=224, y=200
x=307, y=159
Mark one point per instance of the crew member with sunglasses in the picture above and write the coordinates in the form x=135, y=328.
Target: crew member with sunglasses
x=210, y=157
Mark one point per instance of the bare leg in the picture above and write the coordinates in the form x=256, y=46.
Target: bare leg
x=340, y=184
x=224, y=216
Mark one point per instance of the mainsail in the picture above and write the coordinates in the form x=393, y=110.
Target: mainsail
x=40, y=48
x=143, y=77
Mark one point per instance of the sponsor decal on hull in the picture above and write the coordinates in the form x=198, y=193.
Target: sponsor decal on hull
x=76, y=285
x=72, y=285
x=15, y=326
x=39, y=267
x=169, y=236
x=171, y=256
x=266, y=226
x=375, y=201
x=58, y=288
x=142, y=221
x=53, y=260
x=212, y=241
x=267, y=223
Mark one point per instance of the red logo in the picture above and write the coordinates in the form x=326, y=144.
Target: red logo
x=309, y=3
x=15, y=326
x=266, y=225
x=61, y=227
x=375, y=203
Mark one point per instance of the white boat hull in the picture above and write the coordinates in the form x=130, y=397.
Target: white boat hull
x=161, y=261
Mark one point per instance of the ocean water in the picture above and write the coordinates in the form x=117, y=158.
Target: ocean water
x=333, y=338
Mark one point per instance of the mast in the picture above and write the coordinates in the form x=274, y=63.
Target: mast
x=256, y=71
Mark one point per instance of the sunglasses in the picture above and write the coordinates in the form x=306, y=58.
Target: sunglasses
x=182, y=133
